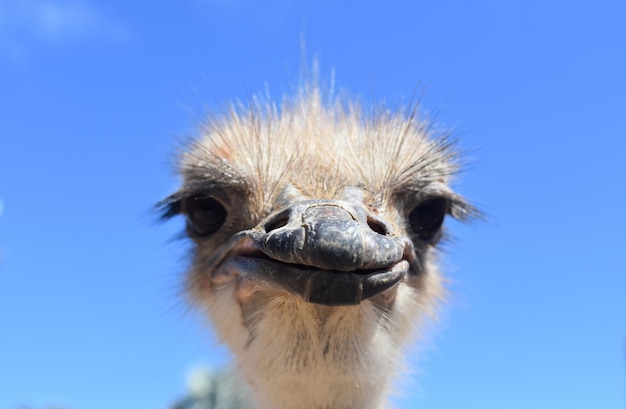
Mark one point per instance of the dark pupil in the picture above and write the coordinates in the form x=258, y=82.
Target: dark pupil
x=426, y=219
x=205, y=215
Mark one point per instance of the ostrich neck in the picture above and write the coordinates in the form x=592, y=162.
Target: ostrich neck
x=312, y=357
x=305, y=393
x=316, y=389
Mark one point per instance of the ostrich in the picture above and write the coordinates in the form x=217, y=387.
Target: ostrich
x=314, y=230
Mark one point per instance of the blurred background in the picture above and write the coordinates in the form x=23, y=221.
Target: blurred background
x=94, y=95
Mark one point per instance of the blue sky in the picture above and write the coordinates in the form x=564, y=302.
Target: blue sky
x=94, y=94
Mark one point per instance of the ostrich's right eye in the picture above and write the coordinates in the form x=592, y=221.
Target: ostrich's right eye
x=205, y=215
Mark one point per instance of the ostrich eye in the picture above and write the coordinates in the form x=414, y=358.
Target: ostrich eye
x=427, y=217
x=205, y=215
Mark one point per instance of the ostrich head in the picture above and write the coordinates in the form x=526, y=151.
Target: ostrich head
x=314, y=229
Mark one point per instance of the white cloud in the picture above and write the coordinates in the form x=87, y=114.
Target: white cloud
x=26, y=25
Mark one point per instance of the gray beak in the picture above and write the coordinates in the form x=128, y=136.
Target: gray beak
x=328, y=252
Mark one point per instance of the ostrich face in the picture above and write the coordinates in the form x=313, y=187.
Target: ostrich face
x=314, y=230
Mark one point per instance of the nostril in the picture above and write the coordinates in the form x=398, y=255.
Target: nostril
x=377, y=226
x=278, y=221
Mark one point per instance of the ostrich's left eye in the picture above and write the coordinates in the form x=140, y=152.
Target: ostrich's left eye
x=427, y=217
x=205, y=215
